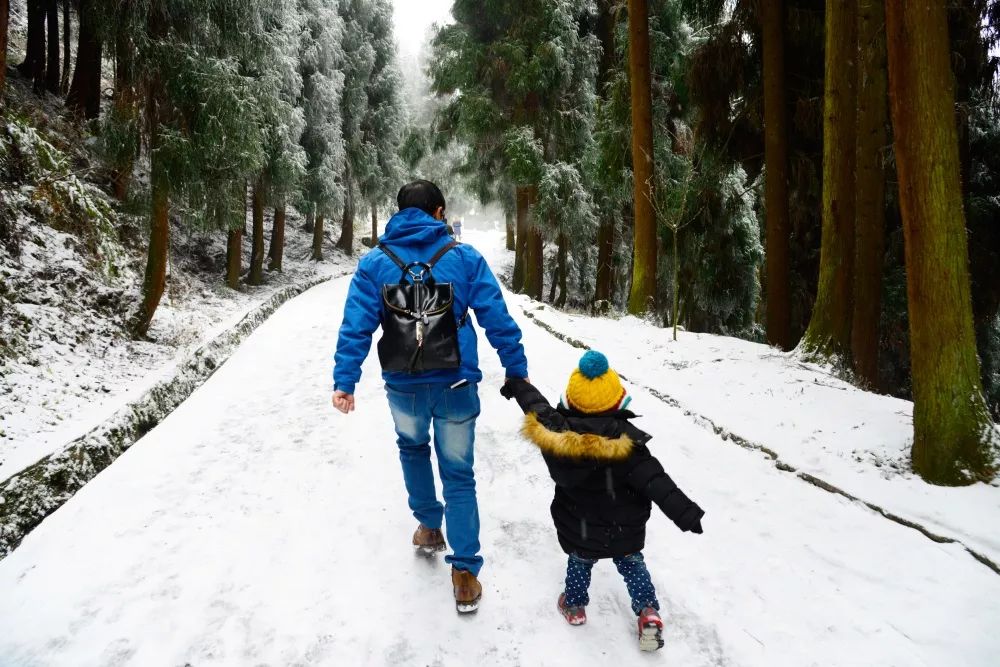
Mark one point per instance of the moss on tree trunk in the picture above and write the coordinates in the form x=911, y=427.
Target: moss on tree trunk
x=953, y=433
x=643, y=294
x=511, y=232
x=873, y=111
x=779, y=313
x=829, y=332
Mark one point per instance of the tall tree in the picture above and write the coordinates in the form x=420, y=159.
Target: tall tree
x=85, y=91
x=643, y=294
x=4, y=28
x=779, y=314
x=873, y=116
x=358, y=66
x=829, y=333
x=67, y=47
x=953, y=434
x=321, y=63
x=52, y=77
x=33, y=65
x=613, y=157
x=380, y=168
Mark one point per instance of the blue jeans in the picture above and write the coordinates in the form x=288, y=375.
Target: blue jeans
x=453, y=414
x=631, y=567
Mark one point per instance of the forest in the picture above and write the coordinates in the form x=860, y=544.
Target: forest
x=820, y=176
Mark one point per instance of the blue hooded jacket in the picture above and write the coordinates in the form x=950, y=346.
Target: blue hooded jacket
x=416, y=236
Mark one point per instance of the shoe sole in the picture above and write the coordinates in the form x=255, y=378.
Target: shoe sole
x=467, y=607
x=428, y=551
x=651, y=638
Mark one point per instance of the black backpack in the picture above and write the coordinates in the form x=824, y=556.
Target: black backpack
x=419, y=328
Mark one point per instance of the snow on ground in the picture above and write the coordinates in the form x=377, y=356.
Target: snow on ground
x=80, y=367
x=256, y=526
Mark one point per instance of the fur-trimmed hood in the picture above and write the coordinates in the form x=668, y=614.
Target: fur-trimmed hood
x=573, y=445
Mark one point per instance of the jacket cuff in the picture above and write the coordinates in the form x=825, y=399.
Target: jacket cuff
x=518, y=372
x=347, y=388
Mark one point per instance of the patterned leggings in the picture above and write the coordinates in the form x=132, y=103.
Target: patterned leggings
x=631, y=567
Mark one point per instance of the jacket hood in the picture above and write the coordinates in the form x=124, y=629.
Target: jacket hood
x=413, y=227
x=573, y=445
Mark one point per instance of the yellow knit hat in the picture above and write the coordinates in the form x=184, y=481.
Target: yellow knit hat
x=594, y=387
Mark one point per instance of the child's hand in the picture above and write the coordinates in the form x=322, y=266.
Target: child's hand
x=696, y=527
x=507, y=390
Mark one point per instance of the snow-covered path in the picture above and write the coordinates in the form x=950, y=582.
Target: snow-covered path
x=255, y=526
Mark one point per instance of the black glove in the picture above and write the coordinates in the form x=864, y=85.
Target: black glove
x=507, y=391
x=696, y=527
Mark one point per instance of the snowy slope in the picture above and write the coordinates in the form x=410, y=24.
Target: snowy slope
x=255, y=526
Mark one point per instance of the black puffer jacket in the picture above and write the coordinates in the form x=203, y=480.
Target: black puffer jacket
x=605, y=477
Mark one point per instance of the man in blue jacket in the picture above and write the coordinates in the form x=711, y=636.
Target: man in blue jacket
x=448, y=399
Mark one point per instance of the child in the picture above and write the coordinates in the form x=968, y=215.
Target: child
x=605, y=481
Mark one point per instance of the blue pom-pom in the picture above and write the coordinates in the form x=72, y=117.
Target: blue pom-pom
x=593, y=364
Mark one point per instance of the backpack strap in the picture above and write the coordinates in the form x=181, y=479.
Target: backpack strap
x=441, y=253
x=393, y=256
x=427, y=266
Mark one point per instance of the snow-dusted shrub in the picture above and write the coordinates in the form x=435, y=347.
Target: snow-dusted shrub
x=55, y=195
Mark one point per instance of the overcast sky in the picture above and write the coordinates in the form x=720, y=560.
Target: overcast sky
x=413, y=18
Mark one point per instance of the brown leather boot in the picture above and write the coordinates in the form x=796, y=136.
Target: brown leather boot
x=468, y=590
x=428, y=541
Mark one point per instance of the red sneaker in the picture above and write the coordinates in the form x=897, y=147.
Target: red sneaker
x=573, y=615
x=650, y=630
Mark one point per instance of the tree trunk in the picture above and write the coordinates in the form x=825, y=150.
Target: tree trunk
x=346, y=241
x=4, y=31
x=67, y=33
x=317, y=245
x=277, y=250
x=234, y=256
x=605, y=264
x=374, y=225
x=643, y=294
x=604, y=281
x=511, y=235
x=125, y=105
x=829, y=333
x=310, y=221
x=257, y=246
x=52, y=68
x=534, y=269
x=873, y=111
x=563, y=270
x=952, y=429
x=156, y=258
x=524, y=198
x=779, y=308
x=85, y=91
x=34, y=59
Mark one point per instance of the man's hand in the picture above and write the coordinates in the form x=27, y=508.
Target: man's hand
x=343, y=402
